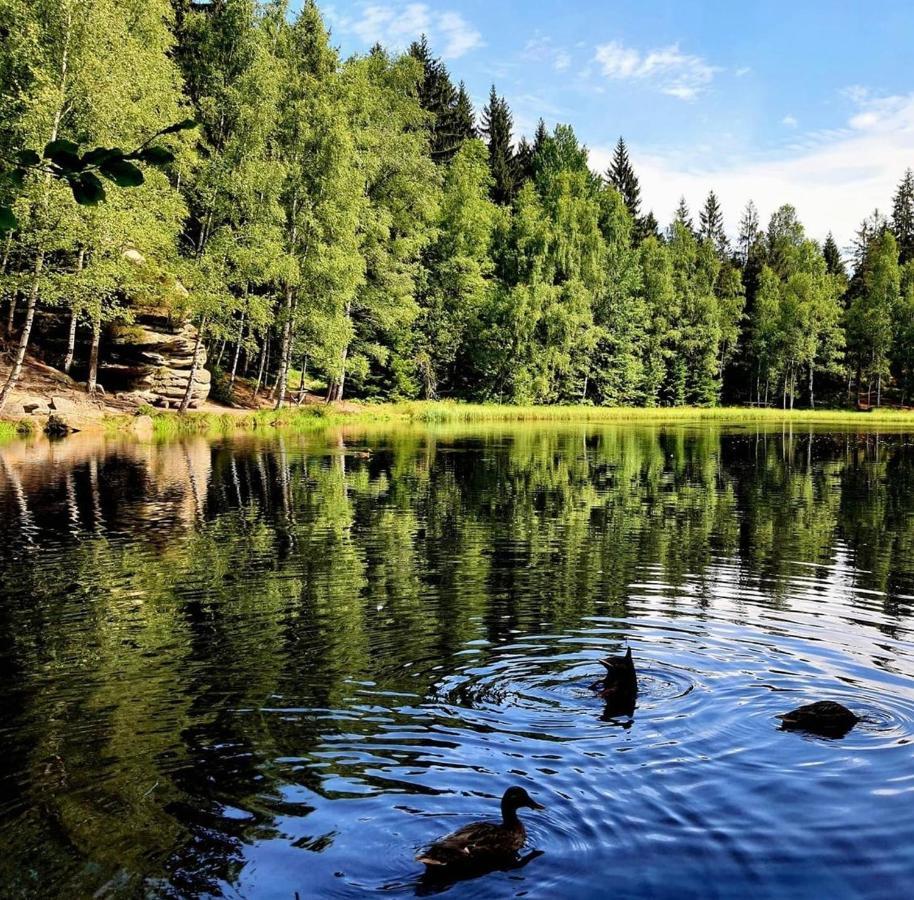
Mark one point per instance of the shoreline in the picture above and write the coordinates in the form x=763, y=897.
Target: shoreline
x=165, y=424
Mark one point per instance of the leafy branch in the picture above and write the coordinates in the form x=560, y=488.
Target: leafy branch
x=63, y=160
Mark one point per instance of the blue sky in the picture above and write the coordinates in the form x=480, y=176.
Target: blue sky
x=809, y=102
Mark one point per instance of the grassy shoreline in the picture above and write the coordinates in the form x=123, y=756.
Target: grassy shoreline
x=170, y=424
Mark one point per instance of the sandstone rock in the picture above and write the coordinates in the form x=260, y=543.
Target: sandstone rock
x=63, y=405
x=142, y=427
x=34, y=406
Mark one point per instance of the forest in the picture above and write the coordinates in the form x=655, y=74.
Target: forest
x=357, y=227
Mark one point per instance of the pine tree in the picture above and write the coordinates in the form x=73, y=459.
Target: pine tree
x=903, y=216
x=712, y=226
x=649, y=227
x=497, y=126
x=622, y=177
x=833, y=262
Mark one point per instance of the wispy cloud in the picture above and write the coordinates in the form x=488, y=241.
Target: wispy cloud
x=541, y=49
x=790, y=121
x=668, y=69
x=396, y=25
x=833, y=177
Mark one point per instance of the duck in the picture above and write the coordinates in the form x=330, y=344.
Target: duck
x=483, y=843
x=825, y=717
x=620, y=684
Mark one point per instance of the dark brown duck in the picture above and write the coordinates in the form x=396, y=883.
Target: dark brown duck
x=825, y=718
x=484, y=843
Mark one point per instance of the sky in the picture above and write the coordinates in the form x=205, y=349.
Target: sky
x=809, y=102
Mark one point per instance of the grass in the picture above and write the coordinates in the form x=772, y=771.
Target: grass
x=11, y=430
x=169, y=424
x=448, y=412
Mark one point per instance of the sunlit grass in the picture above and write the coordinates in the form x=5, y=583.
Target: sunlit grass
x=446, y=412
x=12, y=430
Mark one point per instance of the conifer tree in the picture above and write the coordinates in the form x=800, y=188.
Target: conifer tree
x=712, y=226
x=622, y=177
x=833, y=262
x=748, y=232
x=903, y=216
x=450, y=110
x=497, y=126
x=683, y=217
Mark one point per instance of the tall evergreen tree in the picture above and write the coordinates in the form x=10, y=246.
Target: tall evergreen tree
x=748, y=231
x=682, y=217
x=497, y=126
x=621, y=175
x=833, y=262
x=449, y=108
x=712, y=226
x=903, y=216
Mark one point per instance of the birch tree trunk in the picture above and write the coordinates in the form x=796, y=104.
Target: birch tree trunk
x=71, y=339
x=16, y=370
x=189, y=390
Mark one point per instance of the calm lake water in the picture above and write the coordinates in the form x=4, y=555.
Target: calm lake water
x=252, y=668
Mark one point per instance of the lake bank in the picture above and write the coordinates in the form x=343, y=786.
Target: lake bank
x=163, y=424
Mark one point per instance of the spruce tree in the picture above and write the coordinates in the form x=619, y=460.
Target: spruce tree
x=525, y=160
x=450, y=111
x=903, y=216
x=622, y=177
x=748, y=231
x=833, y=262
x=497, y=125
x=682, y=216
x=712, y=226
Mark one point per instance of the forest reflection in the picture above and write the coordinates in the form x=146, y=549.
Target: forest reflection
x=159, y=602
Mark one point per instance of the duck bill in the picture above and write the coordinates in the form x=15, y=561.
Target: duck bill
x=534, y=805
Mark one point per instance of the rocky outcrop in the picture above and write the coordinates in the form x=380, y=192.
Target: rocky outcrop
x=151, y=360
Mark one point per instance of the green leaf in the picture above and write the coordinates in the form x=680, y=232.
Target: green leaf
x=87, y=189
x=98, y=155
x=179, y=126
x=7, y=219
x=67, y=161
x=28, y=158
x=156, y=156
x=122, y=172
x=56, y=147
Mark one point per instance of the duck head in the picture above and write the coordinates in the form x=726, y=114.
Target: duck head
x=514, y=799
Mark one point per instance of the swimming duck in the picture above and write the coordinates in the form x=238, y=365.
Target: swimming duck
x=825, y=718
x=620, y=684
x=484, y=843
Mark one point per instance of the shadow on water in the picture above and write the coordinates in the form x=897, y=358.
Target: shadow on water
x=249, y=668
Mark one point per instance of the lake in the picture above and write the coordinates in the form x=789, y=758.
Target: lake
x=251, y=667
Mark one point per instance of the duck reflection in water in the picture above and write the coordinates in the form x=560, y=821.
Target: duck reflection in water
x=619, y=687
x=480, y=848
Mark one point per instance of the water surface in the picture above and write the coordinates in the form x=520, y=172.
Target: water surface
x=250, y=668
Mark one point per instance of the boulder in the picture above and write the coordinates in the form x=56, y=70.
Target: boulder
x=142, y=427
x=35, y=406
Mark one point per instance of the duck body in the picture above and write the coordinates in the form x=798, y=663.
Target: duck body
x=826, y=718
x=620, y=684
x=483, y=844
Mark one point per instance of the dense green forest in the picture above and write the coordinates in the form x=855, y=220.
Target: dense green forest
x=357, y=220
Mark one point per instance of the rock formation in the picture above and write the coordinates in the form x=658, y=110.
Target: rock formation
x=152, y=359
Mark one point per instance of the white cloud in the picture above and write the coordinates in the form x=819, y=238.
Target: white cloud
x=396, y=25
x=742, y=71
x=834, y=178
x=541, y=49
x=667, y=69
x=790, y=121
